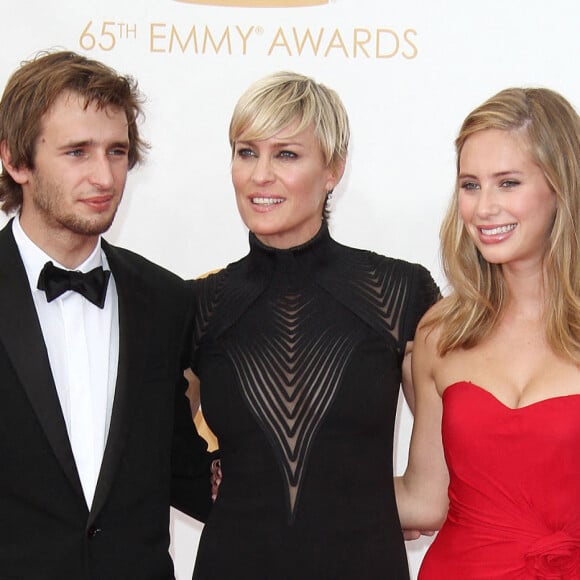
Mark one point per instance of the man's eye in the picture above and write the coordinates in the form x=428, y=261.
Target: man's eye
x=118, y=152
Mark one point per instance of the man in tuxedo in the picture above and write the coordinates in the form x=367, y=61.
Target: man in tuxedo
x=96, y=435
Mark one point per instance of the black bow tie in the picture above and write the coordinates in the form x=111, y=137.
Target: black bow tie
x=92, y=285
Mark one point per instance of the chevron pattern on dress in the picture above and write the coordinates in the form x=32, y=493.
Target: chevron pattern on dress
x=290, y=374
x=375, y=288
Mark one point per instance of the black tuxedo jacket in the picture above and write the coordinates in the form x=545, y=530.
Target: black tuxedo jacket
x=153, y=454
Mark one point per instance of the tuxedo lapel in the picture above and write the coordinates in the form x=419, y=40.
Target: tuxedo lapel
x=21, y=335
x=133, y=308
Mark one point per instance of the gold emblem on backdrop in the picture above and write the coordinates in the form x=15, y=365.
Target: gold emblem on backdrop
x=258, y=3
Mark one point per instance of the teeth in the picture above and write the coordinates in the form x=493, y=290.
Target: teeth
x=498, y=230
x=266, y=200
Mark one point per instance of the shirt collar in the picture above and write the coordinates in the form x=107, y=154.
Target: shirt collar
x=34, y=258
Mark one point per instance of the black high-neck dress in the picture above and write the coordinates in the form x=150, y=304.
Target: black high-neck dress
x=299, y=355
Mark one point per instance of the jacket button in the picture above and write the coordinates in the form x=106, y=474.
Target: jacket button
x=93, y=531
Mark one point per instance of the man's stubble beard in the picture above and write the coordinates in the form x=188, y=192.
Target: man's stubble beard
x=46, y=200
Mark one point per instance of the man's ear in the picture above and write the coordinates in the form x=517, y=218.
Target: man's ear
x=19, y=174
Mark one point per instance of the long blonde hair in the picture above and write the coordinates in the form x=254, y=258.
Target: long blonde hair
x=551, y=127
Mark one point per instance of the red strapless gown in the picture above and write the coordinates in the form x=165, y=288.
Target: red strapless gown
x=514, y=489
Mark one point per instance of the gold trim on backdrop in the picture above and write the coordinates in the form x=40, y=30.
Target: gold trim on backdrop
x=205, y=432
x=193, y=395
x=258, y=3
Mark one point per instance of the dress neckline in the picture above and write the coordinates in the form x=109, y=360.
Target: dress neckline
x=501, y=403
x=321, y=238
x=311, y=257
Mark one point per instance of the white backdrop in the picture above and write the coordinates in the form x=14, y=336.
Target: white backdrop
x=407, y=70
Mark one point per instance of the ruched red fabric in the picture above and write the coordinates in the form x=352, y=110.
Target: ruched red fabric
x=514, y=489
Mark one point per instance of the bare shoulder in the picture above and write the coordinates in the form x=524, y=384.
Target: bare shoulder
x=429, y=330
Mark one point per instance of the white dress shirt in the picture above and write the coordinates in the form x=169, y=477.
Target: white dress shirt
x=82, y=341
